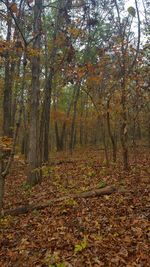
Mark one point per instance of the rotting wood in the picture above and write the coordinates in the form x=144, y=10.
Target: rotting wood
x=30, y=207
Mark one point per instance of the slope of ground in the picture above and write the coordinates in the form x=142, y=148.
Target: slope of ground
x=101, y=231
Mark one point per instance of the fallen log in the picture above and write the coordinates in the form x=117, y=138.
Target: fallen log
x=30, y=207
x=97, y=192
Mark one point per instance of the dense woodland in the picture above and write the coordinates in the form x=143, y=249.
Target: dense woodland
x=75, y=93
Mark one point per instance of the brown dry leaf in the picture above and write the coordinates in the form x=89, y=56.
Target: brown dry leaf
x=137, y=231
x=123, y=252
x=115, y=260
x=23, y=245
x=13, y=7
x=127, y=239
x=114, y=228
x=12, y=254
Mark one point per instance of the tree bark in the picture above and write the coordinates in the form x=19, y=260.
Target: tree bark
x=7, y=100
x=58, y=144
x=49, y=67
x=149, y=133
x=60, y=137
x=2, y=181
x=72, y=135
x=113, y=142
x=34, y=171
x=104, y=141
x=124, y=130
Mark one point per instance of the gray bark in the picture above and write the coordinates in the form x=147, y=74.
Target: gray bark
x=72, y=135
x=34, y=172
x=7, y=110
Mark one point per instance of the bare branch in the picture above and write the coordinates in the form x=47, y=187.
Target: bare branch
x=139, y=37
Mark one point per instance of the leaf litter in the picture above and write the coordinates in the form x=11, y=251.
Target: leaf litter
x=104, y=231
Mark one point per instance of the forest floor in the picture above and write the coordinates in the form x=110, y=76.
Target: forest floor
x=110, y=230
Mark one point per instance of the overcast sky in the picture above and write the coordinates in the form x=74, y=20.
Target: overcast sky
x=129, y=3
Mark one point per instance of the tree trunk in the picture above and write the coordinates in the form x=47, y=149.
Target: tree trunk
x=149, y=133
x=58, y=141
x=105, y=145
x=34, y=171
x=60, y=138
x=7, y=100
x=124, y=130
x=45, y=118
x=45, y=121
x=81, y=121
x=112, y=138
x=72, y=135
x=25, y=134
x=2, y=182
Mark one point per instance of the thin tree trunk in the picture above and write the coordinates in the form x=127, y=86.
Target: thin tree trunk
x=113, y=142
x=25, y=139
x=105, y=144
x=124, y=130
x=7, y=105
x=61, y=136
x=63, y=131
x=81, y=122
x=149, y=132
x=2, y=180
x=71, y=145
x=58, y=145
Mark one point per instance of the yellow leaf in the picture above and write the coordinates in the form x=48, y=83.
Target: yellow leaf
x=107, y=197
x=74, y=32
